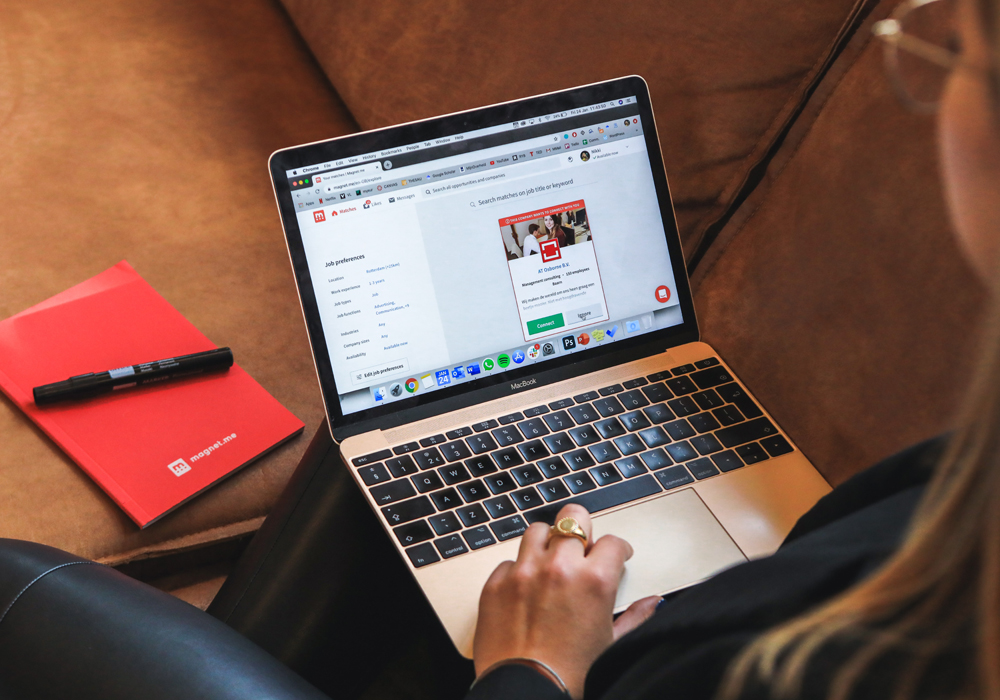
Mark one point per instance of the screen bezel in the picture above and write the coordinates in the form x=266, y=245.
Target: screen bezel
x=496, y=385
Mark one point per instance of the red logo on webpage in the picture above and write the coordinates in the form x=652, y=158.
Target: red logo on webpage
x=319, y=216
x=550, y=250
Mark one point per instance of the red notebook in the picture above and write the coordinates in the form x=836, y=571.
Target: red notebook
x=150, y=448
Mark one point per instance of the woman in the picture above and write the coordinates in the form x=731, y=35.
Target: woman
x=888, y=587
x=555, y=229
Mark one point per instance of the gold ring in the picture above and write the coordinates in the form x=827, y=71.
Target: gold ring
x=568, y=527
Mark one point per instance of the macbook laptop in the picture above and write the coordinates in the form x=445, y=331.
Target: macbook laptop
x=502, y=324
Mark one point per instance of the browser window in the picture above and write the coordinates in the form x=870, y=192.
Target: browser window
x=443, y=262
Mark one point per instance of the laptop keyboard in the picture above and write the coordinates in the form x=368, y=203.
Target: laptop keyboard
x=446, y=495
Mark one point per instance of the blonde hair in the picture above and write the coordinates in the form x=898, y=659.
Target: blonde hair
x=942, y=587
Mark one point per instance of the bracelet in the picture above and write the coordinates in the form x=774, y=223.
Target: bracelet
x=539, y=666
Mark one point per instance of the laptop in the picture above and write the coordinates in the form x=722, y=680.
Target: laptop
x=502, y=323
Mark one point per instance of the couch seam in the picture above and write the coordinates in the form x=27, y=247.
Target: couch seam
x=36, y=580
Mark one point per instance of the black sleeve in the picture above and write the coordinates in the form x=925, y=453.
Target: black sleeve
x=515, y=681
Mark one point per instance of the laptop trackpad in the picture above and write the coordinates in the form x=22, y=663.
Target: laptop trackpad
x=677, y=542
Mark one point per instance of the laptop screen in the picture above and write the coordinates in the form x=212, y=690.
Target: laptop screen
x=454, y=259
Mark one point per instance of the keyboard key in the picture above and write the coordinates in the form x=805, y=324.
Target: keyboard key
x=446, y=499
x=748, y=432
x=404, y=512
x=727, y=461
x=629, y=444
x=372, y=458
x=507, y=435
x=526, y=499
x=631, y=466
x=511, y=418
x=401, y=466
x=374, y=474
x=702, y=468
x=481, y=443
x=428, y=481
x=654, y=437
x=403, y=449
x=728, y=415
x=392, y=492
x=683, y=369
x=536, y=411
x=707, y=378
x=508, y=457
x=533, y=428
x=432, y=440
x=657, y=392
x=681, y=386
x=479, y=537
x=484, y=425
x=554, y=490
x=580, y=459
x=605, y=474
x=454, y=451
x=601, y=499
x=683, y=406
x=636, y=420
x=559, y=420
x=480, y=466
x=560, y=442
x=561, y=404
x=584, y=398
x=605, y=452
x=672, y=477
x=443, y=523
x=657, y=459
x=609, y=390
x=584, y=414
x=458, y=433
x=454, y=473
x=707, y=399
x=633, y=399
x=734, y=393
x=609, y=407
x=659, y=413
x=499, y=506
x=578, y=483
x=527, y=475
x=752, y=453
x=680, y=451
x=680, y=429
x=500, y=483
x=708, y=362
x=610, y=428
x=428, y=459
x=472, y=515
x=423, y=555
x=776, y=445
x=584, y=435
x=552, y=467
x=451, y=546
x=659, y=376
x=704, y=422
x=509, y=528
x=473, y=491
x=706, y=444
x=533, y=451
x=634, y=383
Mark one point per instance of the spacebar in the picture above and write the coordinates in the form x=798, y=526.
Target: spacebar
x=601, y=499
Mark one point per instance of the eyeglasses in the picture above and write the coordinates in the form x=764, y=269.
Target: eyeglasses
x=921, y=49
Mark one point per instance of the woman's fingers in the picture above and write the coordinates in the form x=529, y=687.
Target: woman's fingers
x=559, y=544
x=637, y=613
x=533, y=541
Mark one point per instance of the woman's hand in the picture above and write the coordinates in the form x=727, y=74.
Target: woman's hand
x=554, y=603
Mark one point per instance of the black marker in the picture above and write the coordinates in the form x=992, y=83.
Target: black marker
x=85, y=386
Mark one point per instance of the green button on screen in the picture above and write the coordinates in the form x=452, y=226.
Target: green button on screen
x=549, y=323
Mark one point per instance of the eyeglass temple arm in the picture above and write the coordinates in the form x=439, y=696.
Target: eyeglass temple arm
x=889, y=31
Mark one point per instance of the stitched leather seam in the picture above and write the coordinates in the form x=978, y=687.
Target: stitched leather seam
x=36, y=580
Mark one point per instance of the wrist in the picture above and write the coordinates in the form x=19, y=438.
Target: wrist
x=540, y=667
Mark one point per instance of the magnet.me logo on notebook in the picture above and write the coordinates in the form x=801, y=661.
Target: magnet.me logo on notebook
x=179, y=467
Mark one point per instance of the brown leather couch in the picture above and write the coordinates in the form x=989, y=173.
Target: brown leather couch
x=807, y=200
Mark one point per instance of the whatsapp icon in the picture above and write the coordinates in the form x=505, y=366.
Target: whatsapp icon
x=488, y=364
